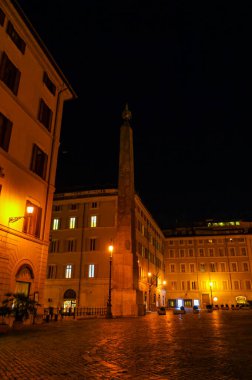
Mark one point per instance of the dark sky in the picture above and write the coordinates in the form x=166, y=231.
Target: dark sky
x=184, y=69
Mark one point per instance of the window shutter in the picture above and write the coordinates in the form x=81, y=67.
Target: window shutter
x=86, y=271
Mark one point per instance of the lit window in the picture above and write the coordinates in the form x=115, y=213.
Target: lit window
x=93, y=221
x=68, y=272
x=72, y=222
x=56, y=224
x=91, y=269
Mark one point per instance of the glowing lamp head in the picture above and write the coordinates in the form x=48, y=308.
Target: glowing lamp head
x=215, y=299
x=164, y=282
x=210, y=284
x=111, y=248
x=149, y=274
x=29, y=210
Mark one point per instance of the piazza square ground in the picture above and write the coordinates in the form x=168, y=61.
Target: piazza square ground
x=215, y=345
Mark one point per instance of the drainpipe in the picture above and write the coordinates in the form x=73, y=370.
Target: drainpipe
x=51, y=158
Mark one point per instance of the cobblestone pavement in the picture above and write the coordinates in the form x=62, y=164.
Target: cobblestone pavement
x=208, y=346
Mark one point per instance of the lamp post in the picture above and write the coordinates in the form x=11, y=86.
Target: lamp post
x=109, y=306
x=211, y=292
x=150, y=284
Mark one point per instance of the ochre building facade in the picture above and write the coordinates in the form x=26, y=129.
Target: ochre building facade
x=32, y=93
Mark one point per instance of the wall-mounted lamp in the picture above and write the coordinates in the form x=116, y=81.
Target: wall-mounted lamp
x=29, y=212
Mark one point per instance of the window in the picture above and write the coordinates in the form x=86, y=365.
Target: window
x=201, y=252
x=45, y=114
x=54, y=245
x=223, y=267
x=188, y=285
x=221, y=252
x=190, y=252
x=71, y=245
x=51, y=271
x=182, y=268
x=182, y=252
x=32, y=222
x=2, y=17
x=57, y=208
x=93, y=221
x=18, y=41
x=94, y=205
x=68, y=271
x=72, y=222
x=232, y=251
x=174, y=285
x=74, y=206
x=5, y=132
x=247, y=285
x=243, y=251
x=49, y=84
x=211, y=252
x=202, y=267
x=9, y=74
x=212, y=267
x=234, y=267
x=91, y=270
x=191, y=267
x=194, y=285
x=224, y=285
x=172, y=267
x=245, y=267
x=236, y=285
x=171, y=253
x=182, y=285
x=39, y=161
x=92, y=244
x=56, y=224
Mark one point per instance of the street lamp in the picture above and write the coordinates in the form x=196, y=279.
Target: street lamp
x=29, y=212
x=150, y=284
x=211, y=284
x=109, y=306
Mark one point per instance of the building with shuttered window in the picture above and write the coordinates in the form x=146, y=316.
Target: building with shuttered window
x=33, y=90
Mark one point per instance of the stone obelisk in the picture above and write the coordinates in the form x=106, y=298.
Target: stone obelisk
x=126, y=298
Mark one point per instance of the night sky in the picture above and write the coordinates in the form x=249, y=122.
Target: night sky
x=184, y=69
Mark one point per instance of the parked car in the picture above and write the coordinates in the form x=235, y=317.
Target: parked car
x=246, y=306
x=161, y=311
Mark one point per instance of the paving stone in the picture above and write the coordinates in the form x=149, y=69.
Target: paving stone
x=214, y=345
